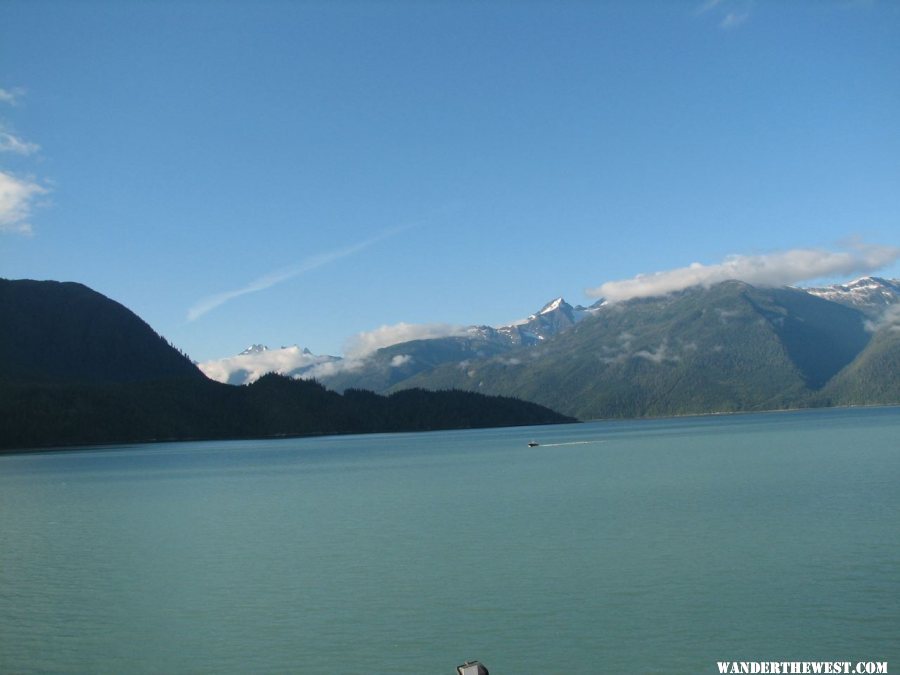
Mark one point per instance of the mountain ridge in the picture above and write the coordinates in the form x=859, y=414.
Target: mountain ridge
x=78, y=368
x=812, y=334
x=388, y=365
x=729, y=348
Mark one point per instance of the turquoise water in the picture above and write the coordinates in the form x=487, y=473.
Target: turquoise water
x=647, y=546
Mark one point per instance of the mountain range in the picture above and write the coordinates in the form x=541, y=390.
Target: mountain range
x=78, y=368
x=388, y=366
x=729, y=347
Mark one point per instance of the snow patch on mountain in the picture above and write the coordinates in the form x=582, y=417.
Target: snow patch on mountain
x=870, y=294
x=254, y=349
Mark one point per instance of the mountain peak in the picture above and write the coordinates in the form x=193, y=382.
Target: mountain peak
x=869, y=294
x=553, y=305
x=254, y=349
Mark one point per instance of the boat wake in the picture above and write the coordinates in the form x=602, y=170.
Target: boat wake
x=556, y=445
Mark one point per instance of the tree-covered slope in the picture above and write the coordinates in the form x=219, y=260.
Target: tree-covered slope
x=393, y=364
x=66, y=332
x=77, y=368
x=873, y=377
x=42, y=415
x=727, y=348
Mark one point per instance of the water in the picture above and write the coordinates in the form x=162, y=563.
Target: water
x=622, y=547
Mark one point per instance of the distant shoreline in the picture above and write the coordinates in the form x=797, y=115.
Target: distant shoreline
x=727, y=413
x=81, y=447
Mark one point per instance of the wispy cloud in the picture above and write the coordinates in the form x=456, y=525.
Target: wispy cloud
x=280, y=276
x=729, y=13
x=18, y=195
x=890, y=318
x=773, y=269
x=10, y=96
x=11, y=143
x=708, y=6
x=17, y=199
x=400, y=360
x=734, y=19
x=363, y=344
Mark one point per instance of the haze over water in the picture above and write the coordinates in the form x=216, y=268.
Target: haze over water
x=646, y=546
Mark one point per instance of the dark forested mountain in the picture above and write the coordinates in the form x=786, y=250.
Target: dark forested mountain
x=66, y=332
x=78, y=368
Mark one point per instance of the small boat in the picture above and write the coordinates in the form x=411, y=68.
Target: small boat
x=533, y=444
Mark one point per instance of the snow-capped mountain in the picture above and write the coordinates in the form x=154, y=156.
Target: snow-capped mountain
x=394, y=363
x=381, y=368
x=257, y=360
x=254, y=349
x=691, y=334
x=868, y=294
x=553, y=318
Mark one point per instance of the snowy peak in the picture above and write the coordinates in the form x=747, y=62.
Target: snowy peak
x=553, y=318
x=553, y=305
x=869, y=294
x=257, y=360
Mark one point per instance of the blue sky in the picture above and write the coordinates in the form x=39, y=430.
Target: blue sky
x=301, y=172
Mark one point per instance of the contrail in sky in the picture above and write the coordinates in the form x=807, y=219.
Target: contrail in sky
x=267, y=281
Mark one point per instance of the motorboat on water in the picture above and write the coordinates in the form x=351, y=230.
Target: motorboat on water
x=533, y=444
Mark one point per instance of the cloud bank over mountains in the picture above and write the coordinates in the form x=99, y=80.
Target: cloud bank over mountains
x=363, y=344
x=255, y=365
x=772, y=269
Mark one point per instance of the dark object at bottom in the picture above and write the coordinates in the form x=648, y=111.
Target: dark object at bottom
x=472, y=668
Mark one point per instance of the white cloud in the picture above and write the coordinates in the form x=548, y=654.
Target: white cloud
x=14, y=144
x=773, y=269
x=400, y=360
x=708, y=6
x=285, y=360
x=209, y=303
x=10, y=96
x=509, y=361
x=17, y=195
x=17, y=198
x=659, y=355
x=734, y=19
x=332, y=368
x=730, y=13
x=889, y=318
x=365, y=343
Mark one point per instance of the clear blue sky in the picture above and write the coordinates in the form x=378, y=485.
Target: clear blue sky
x=299, y=172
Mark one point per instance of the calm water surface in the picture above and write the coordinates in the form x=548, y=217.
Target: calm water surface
x=651, y=546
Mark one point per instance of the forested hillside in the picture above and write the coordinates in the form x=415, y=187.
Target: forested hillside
x=78, y=368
